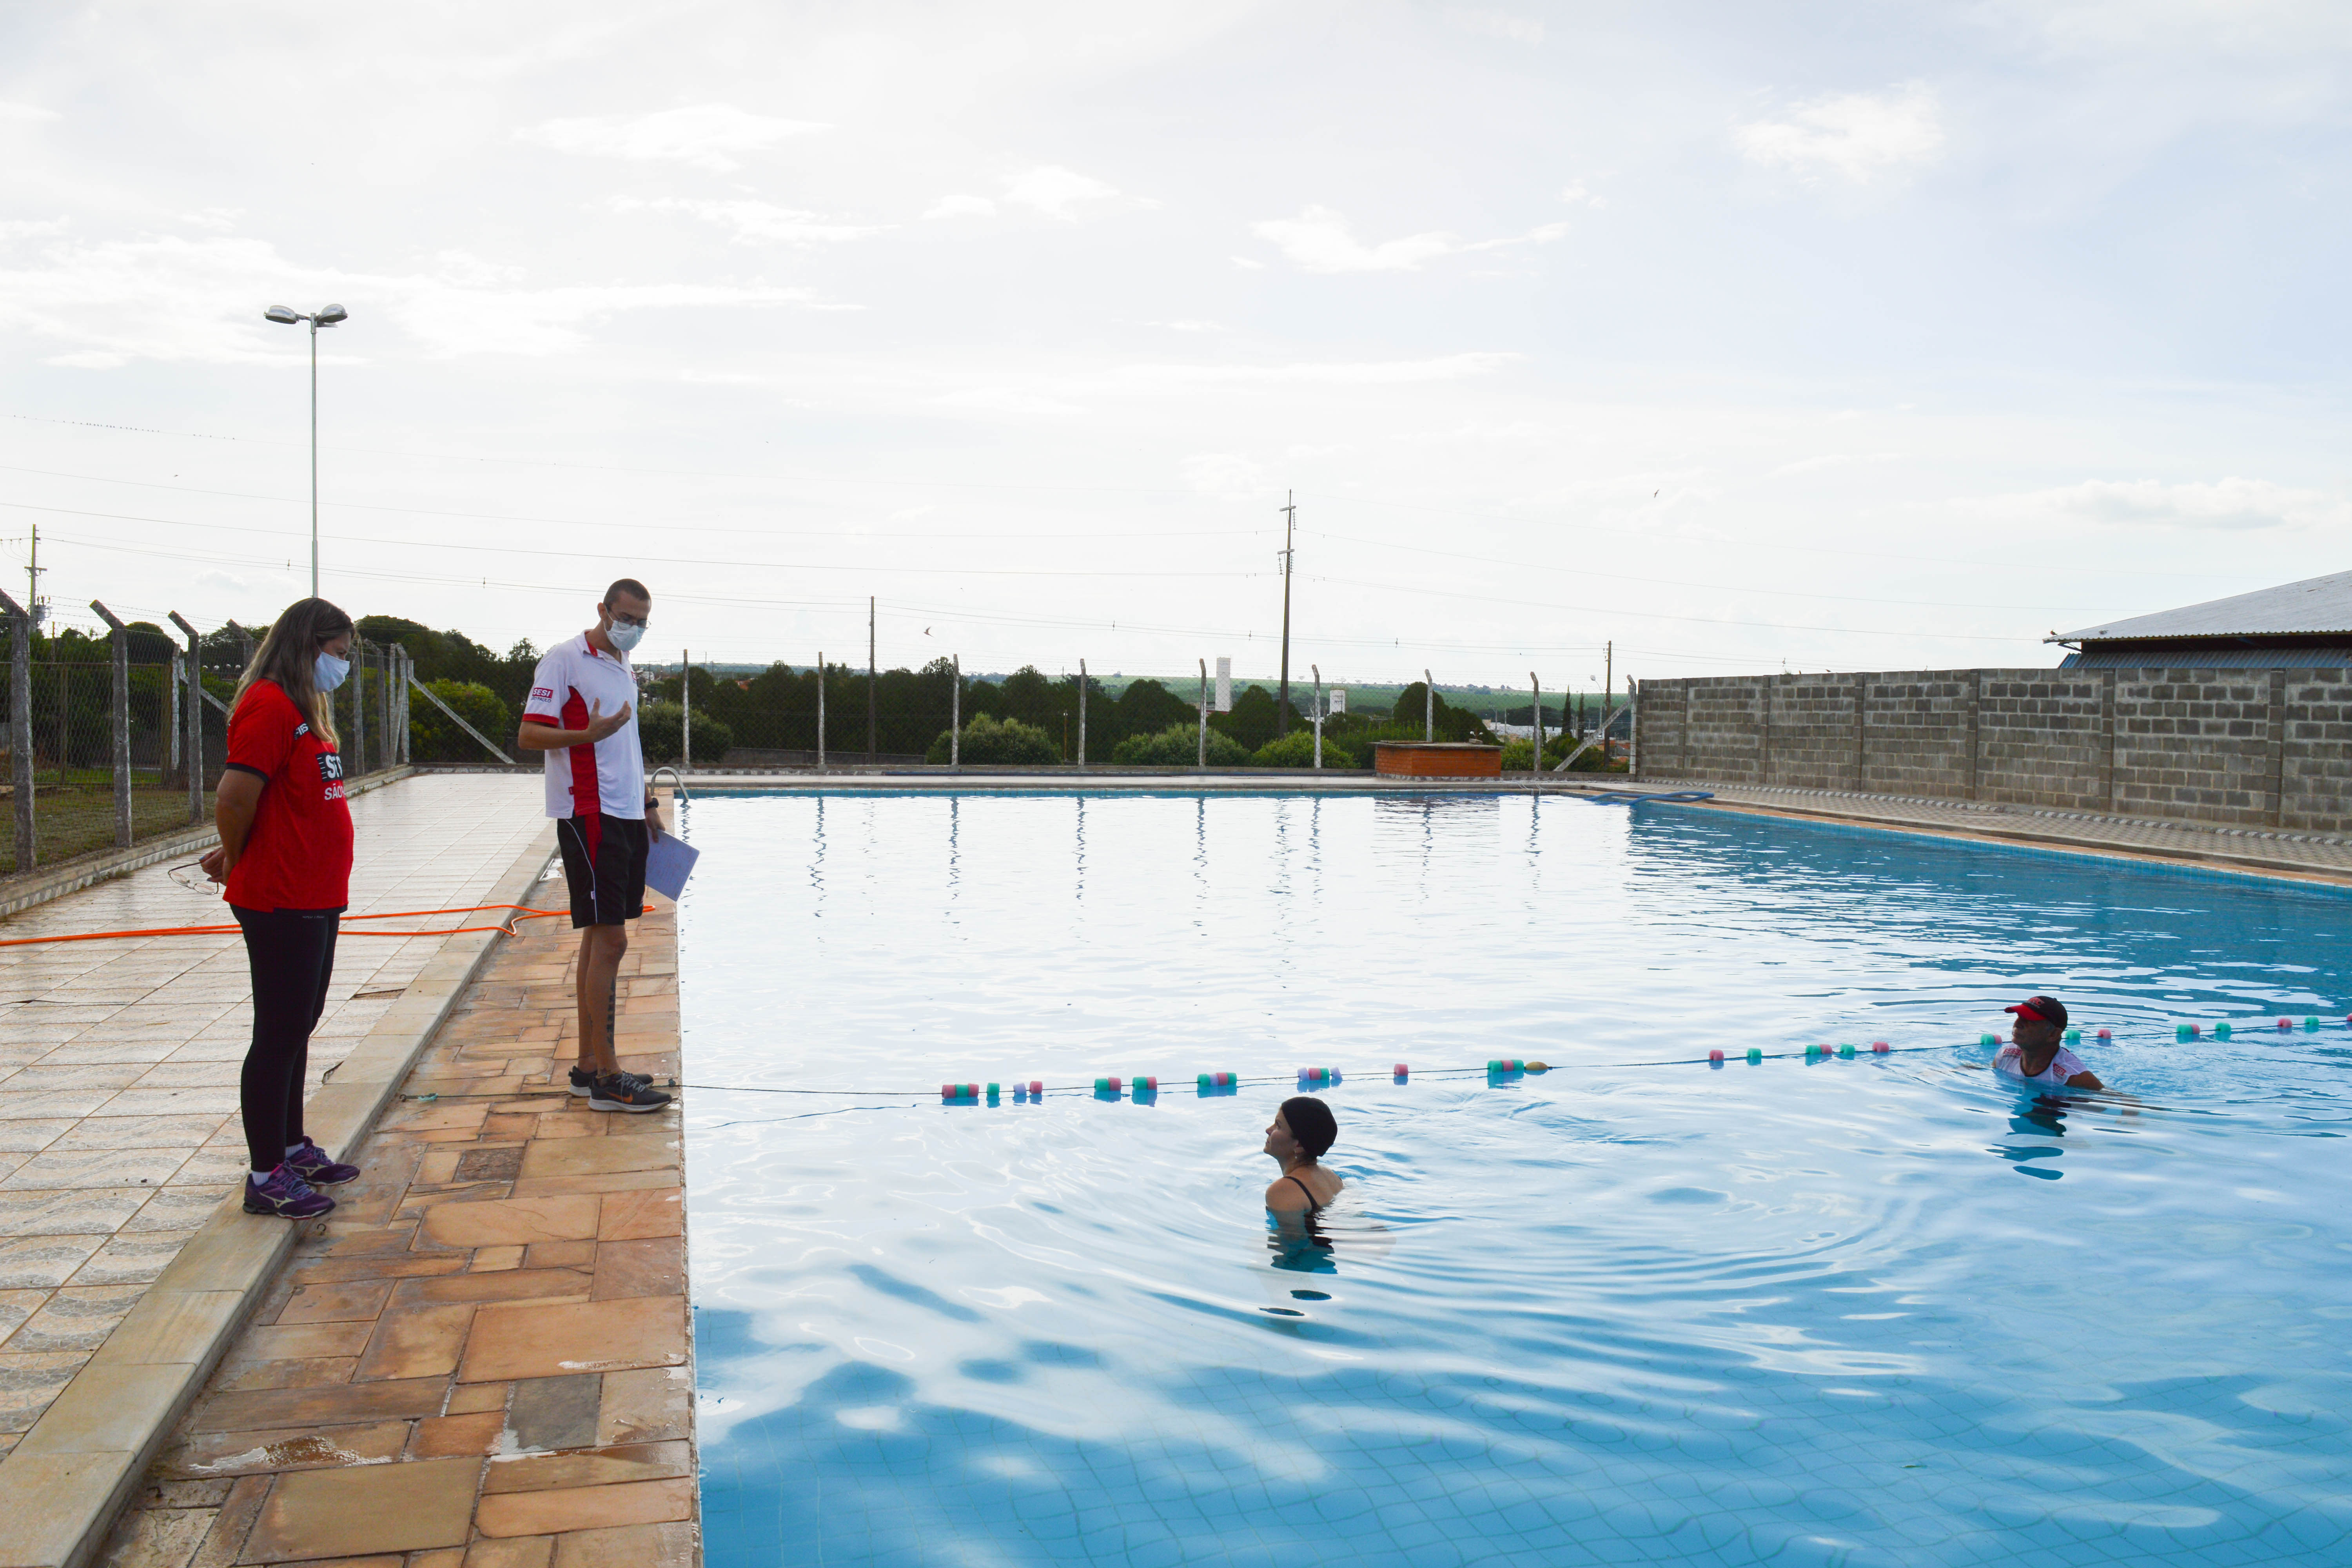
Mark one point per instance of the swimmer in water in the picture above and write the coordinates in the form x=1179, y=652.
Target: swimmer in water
x=2035, y=1052
x=1303, y=1130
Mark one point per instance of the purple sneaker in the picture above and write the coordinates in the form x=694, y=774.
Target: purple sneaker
x=311, y=1162
x=285, y=1194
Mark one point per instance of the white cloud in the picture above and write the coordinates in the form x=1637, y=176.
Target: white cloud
x=32, y=227
x=449, y=321
x=25, y=113
x=1858, y=136
x=1833, y=460
x=1053, y=191
x=755, y=222
x=1376, y=372
x=962, y=206
x=199, y=300
x=706, y=136
x=1226, y=475
x=1500, y=24
x=2228, y=506
x=1319, y=240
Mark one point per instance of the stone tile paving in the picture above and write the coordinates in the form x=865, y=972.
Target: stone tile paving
x=118, y=1061
x=481, y=1360
x=2313, y=854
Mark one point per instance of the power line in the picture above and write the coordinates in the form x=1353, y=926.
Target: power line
x=1156, y=572
x=636, y=526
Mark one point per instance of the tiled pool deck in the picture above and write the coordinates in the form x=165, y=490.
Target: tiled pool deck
x=123, y=1257
x=2316, y=857
x=481, y=1359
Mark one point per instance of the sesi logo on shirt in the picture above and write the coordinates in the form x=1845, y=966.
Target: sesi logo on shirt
x=330, y=767
x=542, y=691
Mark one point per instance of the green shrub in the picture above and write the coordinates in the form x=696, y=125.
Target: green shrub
x=661, y=727
x=432, y=737
x=1590, y=762
x=987, y=739
x=1519, y=755
x=1179, y=746
x=1297, y=749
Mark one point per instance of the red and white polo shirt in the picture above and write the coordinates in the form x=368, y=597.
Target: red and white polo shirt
x=606, y=779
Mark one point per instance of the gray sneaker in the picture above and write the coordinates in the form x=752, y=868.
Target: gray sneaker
x=584, y=1081
x=622, y=1091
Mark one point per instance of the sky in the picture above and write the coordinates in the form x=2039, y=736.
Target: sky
x=1718, y=338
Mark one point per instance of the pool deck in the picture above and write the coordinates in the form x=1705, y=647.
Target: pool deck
x=125, y=1261
x=482, y=1359
x=2300, y=856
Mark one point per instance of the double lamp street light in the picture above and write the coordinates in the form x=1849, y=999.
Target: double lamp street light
x=327, y=317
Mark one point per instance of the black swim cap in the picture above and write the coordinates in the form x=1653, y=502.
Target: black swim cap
x=1312, y=1123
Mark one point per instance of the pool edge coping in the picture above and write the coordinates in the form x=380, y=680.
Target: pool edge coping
x=2217, y=863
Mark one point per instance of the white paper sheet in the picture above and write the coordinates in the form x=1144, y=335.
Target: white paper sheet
x=668, y=863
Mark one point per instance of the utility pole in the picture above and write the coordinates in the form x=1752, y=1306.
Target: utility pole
x=1608, y=685
x=1289, y=527
x=33, y=581
x=869, y=678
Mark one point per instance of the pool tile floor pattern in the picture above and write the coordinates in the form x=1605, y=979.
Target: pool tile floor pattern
x=480, y=1360
x=119, y=1063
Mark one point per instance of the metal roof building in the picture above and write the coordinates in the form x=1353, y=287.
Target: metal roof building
x=2294, y=625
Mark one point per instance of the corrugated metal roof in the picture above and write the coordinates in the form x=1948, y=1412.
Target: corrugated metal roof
x=2315, y=604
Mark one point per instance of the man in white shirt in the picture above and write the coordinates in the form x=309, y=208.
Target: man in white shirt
x=581, y=714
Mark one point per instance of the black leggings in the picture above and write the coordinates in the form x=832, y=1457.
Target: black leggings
x=292, y=955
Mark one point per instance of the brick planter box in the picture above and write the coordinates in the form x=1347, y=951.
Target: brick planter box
x=1437, y=760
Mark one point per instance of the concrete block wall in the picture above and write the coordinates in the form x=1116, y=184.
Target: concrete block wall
x=2316, y=751
x=2247, y=747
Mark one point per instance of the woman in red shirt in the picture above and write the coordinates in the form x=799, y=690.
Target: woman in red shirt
x=286, y=855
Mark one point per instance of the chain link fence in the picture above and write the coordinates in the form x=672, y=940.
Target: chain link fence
x=793, y=715
x=113, y=730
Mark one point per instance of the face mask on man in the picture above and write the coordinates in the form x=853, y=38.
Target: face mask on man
x=624, y=636
x=327, y=671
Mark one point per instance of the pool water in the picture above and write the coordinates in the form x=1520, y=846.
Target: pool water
x=1880, y=1311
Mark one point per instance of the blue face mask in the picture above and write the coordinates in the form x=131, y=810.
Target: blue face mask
x=327, y=671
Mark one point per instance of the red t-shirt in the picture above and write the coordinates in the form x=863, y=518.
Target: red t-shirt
x=299, y=855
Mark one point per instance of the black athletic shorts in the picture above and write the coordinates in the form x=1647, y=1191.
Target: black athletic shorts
x=604, y=866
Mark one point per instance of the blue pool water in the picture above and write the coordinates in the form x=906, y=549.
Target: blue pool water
x=1863, y=1312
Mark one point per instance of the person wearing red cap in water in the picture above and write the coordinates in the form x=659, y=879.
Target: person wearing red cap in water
x=2037, y=1052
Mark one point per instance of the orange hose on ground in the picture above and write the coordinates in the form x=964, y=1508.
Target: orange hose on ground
x=505, y=928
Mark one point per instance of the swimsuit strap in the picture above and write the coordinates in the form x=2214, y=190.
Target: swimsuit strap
x=1313, y=1208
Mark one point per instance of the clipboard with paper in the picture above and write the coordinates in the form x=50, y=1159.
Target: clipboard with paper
x=669, y=861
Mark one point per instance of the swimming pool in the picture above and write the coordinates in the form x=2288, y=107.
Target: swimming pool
x=1881, y=1311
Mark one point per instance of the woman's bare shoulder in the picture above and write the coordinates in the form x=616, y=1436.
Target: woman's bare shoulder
x=1282, y=1195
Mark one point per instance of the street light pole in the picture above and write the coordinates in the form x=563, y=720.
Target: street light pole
x=314, y=457
x=328, y=317
x=1282, y=699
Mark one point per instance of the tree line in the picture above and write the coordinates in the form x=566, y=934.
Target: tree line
x=1027, y=716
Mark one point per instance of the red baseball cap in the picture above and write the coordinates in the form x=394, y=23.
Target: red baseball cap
x=2047, y=1009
